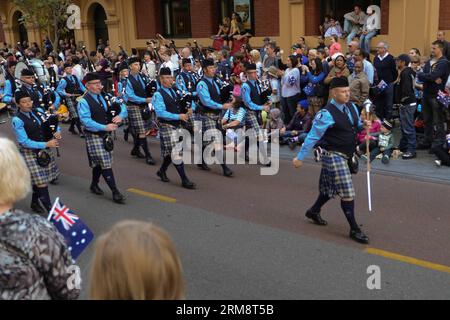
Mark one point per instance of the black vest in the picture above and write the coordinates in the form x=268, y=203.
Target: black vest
x=172, y=106
x=12, y=80
x=188, y=78
x=32, y=127
x=98, y=112
x=137, y=88
x=342, y=136
x=72, y=87
x=254, y=95
x=215, y=96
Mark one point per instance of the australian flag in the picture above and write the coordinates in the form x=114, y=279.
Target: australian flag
x=382, y=86
x=443, y=99
x=77, y=234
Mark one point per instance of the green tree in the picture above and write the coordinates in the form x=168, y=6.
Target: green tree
x=49, y=16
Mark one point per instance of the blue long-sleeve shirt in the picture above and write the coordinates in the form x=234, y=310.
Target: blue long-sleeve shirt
x=160, y=106
x=323, y=121
x=84, y=112
x=8, y=95
x=131, y=95
x=120, y=90
x=246, y=96
x=370, y=71
x=205, y=97
x=21, y=134
x=316, y=79
x=63, y=84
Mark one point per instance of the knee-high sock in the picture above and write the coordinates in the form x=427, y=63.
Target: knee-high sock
x=320, y=202
x=108, y=175
x=78, y=124
x=181, y=172
x=166, y=163
x=96, y=173
x=35, y=196
x=263, y=151
x=72, y=124
x=44, y=196
x=349, y=210
x=143, y=144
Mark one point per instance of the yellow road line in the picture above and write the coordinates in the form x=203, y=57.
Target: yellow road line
x=152, y=195
x=417, y=262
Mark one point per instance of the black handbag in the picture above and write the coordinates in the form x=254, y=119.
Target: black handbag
x=43, y=158
x=108, y=143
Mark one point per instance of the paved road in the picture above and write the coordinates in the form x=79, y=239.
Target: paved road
x=247, y=238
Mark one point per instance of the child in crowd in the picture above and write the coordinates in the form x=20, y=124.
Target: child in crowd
x=233, y=120
x=274, y=122
x=443, y=153
x=297, y=130
x=385, y=144
x=374, y=132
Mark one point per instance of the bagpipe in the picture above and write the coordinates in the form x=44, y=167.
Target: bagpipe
x=49, y=126
x=114, y=108
x=226, y=88
x=151, y=86
x=266, y=90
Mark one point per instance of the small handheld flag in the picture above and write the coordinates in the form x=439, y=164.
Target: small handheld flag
x=77, y=235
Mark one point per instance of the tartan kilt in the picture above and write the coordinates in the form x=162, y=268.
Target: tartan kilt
x=251, y=120
x=135, y=118
x=167, y=141
x=71, y=104
x=210, y=122
x=335, y=178
x=97, y=155
x=39, y=175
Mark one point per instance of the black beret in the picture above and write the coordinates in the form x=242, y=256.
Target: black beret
x=133, y=60
x=20, y=94
x=186, y=61
x=27, y=73
x=67, y=65
x=208, y=63
x=340, y=82
x=123, y=66
x=91, y=77
x=251, y=67
x=165, y=72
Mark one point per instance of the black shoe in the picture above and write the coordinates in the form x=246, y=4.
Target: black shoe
x=95, y=189
x=423, y=146
x=227, y=172
x=385, y=159
x=137, y=153
x=409, y=155
x=125, y=135
x=149, y=160
x=82, y=136
x=247, y=158
x=163, y=176
x=188, y=185
x=72, y=131
x=37, y=208
x=316, y=218
x=118, y=197
x=54, y=182
x=359, y=236
x=203, y=167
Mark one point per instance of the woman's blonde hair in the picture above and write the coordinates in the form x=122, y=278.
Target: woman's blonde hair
x=15, y=181
x=136, y=261
x=373, y=116
x=255, y=55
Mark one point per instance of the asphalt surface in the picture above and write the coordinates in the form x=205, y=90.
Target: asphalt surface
x=247, y=238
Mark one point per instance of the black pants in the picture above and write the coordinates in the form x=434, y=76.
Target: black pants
x=290, y=107
x=434, y=118
x=442, y=154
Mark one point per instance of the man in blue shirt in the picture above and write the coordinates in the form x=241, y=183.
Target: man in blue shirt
x=210, y=109
x=70, y=88
x=93, y=111
x=186, y=80
x=334, y=129
x=28, y=85
x=33, y=143
x=10, y=85
x=170, y=115
x=137, y=101
x=251, y=95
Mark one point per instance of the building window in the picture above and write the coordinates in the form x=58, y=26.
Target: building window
x=176, y=17
x=338, y=8
x=242, y=7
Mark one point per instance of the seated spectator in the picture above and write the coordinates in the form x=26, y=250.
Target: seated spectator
x=335, y=46
x=325, y=25
x=335, y=29
x=374, y=132
x=354, y=21
x=321, y=41
x=233, y=120
x=443, y=153
x=359, y=85
x=296, y=131
x=315, y=89
x=274, y=122
x=385, y=144
x=224, y=31
x=136, y=260
x=34, y=257
x=371, y=27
